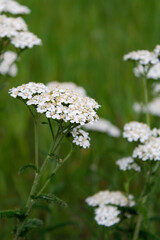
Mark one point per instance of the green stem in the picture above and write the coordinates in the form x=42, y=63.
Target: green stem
x=60, y=163
x=50, y=125
x=31, y=201
x=146, y=100
x=36, y=142
x=38, y=175
x=137, y=228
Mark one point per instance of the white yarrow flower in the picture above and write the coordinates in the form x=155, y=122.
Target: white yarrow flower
x=135, y=131
x=10, y=27
x=153, y=107
x=110, y=197
x=107, y=215
x=13, y=7
x=143, y=57
x=103, y=125
x=7, y=65
x=148, y=151
x=128, y=163
x=25, y=40
x=81, y=138
x=63, y=104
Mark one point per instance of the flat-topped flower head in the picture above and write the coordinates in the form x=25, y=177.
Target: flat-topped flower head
x=108, y=205
x=107, y=215
x=143, y=57
x=81, y=138
x=7, y=65
x=67, y=105
x=10, y=26
x=136, y=131
x=25, y=40
x=128, y=163
x=148, y=151
x=27, y=91
x=13, y=7
x=59, y=104
x=110, y=197
x=103, y=125
x=67, y=85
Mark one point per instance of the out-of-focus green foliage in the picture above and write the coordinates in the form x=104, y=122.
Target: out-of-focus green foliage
x=83, y=41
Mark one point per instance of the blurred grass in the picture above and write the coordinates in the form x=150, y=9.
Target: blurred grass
x=83, y=41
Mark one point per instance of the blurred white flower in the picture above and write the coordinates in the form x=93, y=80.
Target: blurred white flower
x=110, y=197
x=7, y=65
x=140, y=70
x=128, y=163
x=10, y=26
x=25, y=40
x=143, y=57
x=153, y=107
x=148, y=151
x=13, y=7
x=135, y=131
x=150, y=72
x=66, y=85
x=154, y=72
x=107, y=215
x=157, y=50
x=103, y=125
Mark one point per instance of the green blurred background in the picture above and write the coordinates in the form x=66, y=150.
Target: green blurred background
x=84, y=42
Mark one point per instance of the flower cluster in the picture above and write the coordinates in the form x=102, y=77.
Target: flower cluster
x=13, y=7
x=80, y=137
x=143, y=57
x=13, y=30
x=106, y=214
x=60, y=104
x=128, y=163
x=135, y=131
x=103, y=125
x=150, y=149
x=10, y=27
x=16, y=30
x=7, y=63
x=110, y=197
x=148, y=63
x=27, y=91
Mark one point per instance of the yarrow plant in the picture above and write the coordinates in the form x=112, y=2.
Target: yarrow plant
x=69, y=110
x=115, y=207
x=14, y=37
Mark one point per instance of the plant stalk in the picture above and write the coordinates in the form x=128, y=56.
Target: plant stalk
x=146, y=100
x=137, y=229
